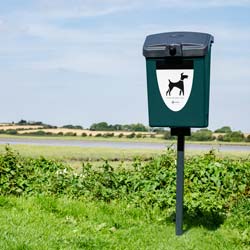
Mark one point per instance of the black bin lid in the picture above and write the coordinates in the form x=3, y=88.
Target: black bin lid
x=177, y=44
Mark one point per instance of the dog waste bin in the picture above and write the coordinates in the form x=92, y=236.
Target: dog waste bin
x=178, y=78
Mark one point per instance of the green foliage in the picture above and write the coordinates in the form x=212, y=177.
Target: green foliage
x=139, y=135
x=70, y=134
x=84, y=134
x=101, y=126
x=8, y=131
x=212, y=185
x=135, y=127
x=248, y=138
x=106, y=135
x=225, y=129
x=201, y=135
x=38, y=132
x=37, y=123
x=235, y=136
x=72, y=126
x=22, y=122
x=11, y=131
x=104, y=126
x=131, y=135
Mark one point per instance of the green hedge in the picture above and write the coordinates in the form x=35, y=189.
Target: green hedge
x=212, y=185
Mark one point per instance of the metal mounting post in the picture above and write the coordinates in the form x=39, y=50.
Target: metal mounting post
x=180, y=133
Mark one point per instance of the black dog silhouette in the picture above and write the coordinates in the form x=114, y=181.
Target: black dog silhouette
x=179, y=85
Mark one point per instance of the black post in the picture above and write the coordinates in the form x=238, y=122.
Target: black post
x=180, y=132
x=179, y=184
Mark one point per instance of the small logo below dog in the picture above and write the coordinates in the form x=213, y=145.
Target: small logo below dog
x=179, y=85
x=175, y=86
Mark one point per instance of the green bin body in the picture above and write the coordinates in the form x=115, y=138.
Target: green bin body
x=178, y=79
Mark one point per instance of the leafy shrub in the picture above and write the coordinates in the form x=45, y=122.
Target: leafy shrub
x=11, y=132
x=72, y=126
x=120, y=135
x=98, y=135
x=70, y=134
x=248, y=138
x=220, y=138
x=38, y=132
x=60, y=133
x=84, y=134
x=225, y=129
x=139, y=135
x=131, y=135
x=108, y=135
x=212, y=185
x=201, y=135
x=235, y=136
x=49, y=126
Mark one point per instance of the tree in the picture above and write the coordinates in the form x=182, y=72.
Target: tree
x=72, y=126
x=202, y=135
x=225, y=129
x=101, y=126
x=138, y=127
x=22, y=122
x=248, y=138
x=235, y=136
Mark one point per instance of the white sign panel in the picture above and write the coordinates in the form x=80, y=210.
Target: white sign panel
x=175, y=86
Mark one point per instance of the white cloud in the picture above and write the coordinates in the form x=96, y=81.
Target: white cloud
x=80, y=8
x=203, y=4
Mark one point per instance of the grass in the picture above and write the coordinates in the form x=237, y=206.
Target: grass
x=50, y=223
x=74, y=153
x=75, y=156
x=87, y=138
x=70, y=153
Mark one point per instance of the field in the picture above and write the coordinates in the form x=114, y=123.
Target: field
x=75, y=156
x=121, y=199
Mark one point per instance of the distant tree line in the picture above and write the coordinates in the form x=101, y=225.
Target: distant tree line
x=224, y=134
x=104, y=126
x=34, y=123
x=72, y=126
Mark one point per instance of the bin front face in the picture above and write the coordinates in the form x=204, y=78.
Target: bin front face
x=178, y=91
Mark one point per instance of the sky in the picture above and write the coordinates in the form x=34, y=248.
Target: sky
x=80, y=61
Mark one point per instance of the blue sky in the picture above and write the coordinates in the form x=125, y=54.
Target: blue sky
x=80, y=61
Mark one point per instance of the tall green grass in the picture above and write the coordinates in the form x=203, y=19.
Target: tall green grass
x=45, y=223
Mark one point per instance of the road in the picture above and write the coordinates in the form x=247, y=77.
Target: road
x=125, y=145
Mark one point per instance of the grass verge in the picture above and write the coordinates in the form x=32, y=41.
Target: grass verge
x=42, y=223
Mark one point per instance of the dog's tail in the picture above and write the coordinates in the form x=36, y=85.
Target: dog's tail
x=169, y=81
